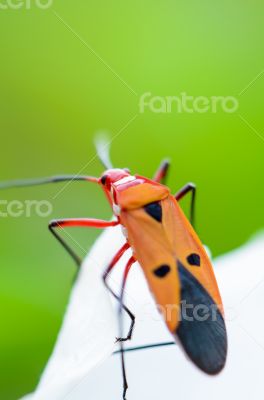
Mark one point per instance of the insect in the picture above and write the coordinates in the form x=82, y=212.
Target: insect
x=172, y=257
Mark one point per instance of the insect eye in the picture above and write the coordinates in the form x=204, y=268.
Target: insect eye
x=104, y=179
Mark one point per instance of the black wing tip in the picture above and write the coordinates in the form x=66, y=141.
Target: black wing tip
x=203, y=339
x=212, y=365
x=214, y=369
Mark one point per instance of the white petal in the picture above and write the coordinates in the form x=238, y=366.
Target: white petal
x=165, y=372
x=89, y=329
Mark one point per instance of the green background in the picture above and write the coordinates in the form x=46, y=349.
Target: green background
x=65, y=74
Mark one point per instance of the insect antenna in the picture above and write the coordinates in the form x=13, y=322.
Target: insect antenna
x=146, y=347
x=102, y=145
x=42, y=181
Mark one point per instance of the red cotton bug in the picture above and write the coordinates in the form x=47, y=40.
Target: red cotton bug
x=173, y=259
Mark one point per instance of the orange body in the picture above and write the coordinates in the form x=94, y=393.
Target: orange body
x=176, y=266
x=156, y=243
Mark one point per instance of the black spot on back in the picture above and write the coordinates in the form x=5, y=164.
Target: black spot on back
x=194, y=259
x=162, y=271
x=204, y=339
x=154, y=210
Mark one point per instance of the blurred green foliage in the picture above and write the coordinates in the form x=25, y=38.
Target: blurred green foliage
x=64, y=75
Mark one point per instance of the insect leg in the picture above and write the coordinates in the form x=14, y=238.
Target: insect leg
x=127, y=269
x=118, y=298
x=85, y=222
x=130, y=262
x=189, y=187
x=161, y=173
x=122, y=306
